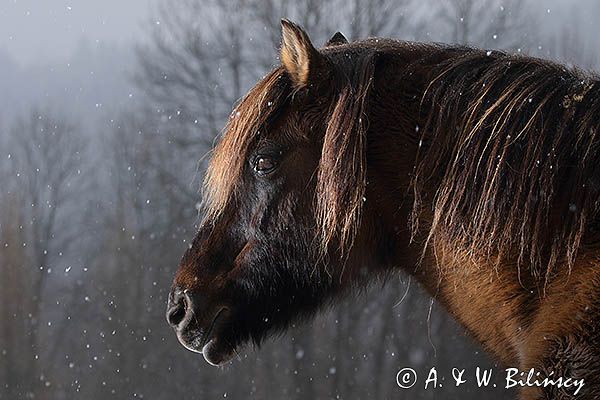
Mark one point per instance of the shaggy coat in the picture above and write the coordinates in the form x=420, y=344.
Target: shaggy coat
x=477, y=172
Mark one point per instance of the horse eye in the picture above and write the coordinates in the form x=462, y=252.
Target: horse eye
x=263, y=165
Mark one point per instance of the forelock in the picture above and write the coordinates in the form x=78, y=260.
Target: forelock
x=250, y=117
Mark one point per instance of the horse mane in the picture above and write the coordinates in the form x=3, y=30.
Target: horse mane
x=508, y=159
x=342, y=174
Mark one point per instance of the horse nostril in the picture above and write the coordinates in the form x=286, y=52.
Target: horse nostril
x=176, y=314
x=177, y=309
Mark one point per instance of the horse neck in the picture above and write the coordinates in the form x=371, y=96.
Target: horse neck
x=497, y=303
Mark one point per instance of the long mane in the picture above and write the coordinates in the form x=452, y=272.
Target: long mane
x=510, y=147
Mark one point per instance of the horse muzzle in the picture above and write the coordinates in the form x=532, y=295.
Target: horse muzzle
x=199, y=330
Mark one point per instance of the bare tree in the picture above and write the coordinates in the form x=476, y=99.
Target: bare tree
x=378, y=18
x=194, y=67
x=13, y=281
x=45, y=167
x=492, y=24
x=571, y=47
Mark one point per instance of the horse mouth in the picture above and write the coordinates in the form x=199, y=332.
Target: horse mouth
x=216, y=350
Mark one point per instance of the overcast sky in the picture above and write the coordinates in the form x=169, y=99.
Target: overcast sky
x=49, y=30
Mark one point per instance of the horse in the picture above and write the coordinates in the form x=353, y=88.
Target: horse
x=476, y=172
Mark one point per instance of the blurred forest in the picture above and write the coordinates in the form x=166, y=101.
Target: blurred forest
x=97, y=207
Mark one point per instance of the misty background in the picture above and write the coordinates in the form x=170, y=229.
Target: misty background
x=107, y=110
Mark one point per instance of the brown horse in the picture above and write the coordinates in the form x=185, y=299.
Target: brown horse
x=476, y=172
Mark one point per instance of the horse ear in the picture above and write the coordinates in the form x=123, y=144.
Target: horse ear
x=299, y=57
x=337, y=40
